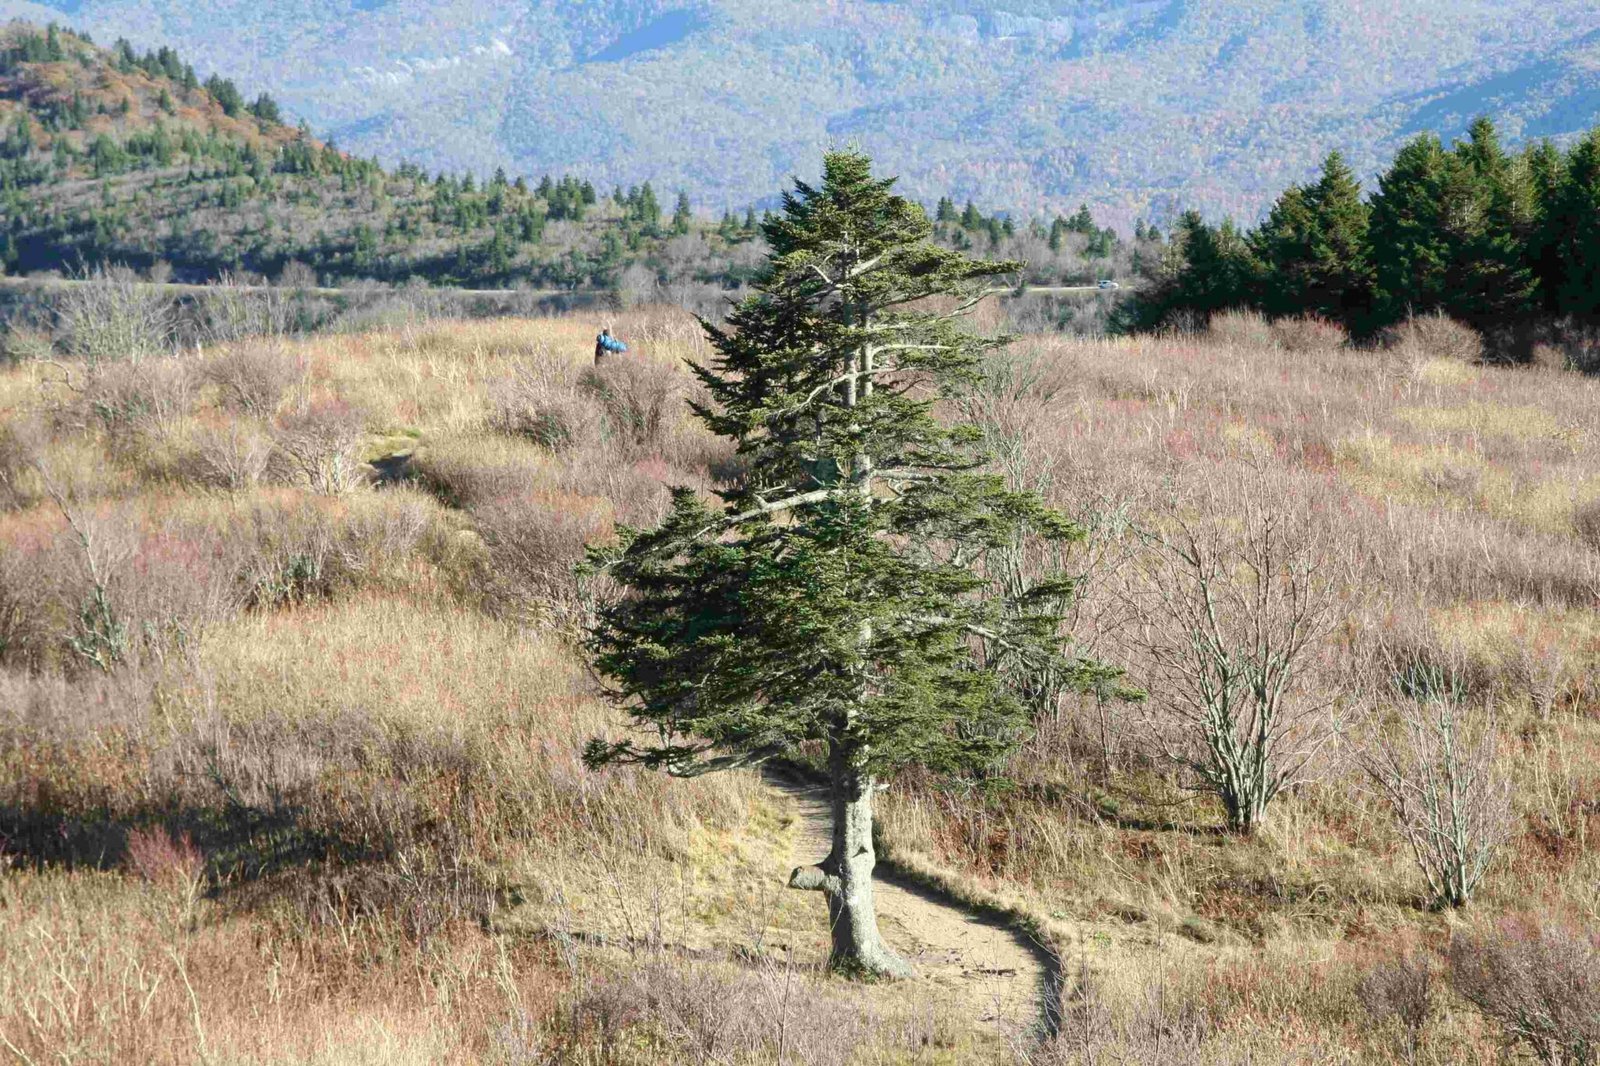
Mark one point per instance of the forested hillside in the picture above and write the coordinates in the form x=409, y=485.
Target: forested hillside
x=1140, y=107
x=110, y=156
x=113, y=156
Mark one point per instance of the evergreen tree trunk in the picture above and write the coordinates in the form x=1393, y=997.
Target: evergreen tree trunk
x=845, y=876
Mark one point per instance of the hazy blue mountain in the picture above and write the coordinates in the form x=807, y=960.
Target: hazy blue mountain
x=1025, y=104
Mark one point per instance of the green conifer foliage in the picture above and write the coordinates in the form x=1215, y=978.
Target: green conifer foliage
x=833, y=602
x=1314, y=247
x=1411, y=255
x=1574, y=225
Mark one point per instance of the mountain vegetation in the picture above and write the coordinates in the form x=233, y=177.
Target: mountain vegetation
x=110, y=157
x=807, y=609
x=1139, y=107
x=1505, y=241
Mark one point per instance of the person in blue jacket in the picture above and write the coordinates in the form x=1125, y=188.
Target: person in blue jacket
x=606, y=344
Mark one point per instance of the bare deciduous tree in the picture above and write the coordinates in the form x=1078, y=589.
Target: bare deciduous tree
x=1236, y=610
x=1439, y=771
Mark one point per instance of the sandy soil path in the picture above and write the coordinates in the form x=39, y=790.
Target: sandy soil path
x=1000, y=973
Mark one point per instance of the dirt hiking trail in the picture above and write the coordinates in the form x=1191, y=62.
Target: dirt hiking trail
x=1001, y=973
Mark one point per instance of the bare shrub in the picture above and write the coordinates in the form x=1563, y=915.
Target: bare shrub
x=1539, y=984
x=641, y=400
x=254, y=378
x=320, y=447
x=1309, y=334
x=296, y=275
x=1244, y=329
x=109, y=315
x=293, y=558
x=471, y=471
x=1439, y=772
x=162, y=859
x=140, y=400
x=1231, y=625
x=1403, y=991
x=24, y=343
x=233, y=309
x=534, y=543
x=1586, y=517
x=1157, y=1028
x=233, y=456
x=540, y=403
x=1437, y=336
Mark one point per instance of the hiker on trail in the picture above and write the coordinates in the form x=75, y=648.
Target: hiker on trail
x=606, y=344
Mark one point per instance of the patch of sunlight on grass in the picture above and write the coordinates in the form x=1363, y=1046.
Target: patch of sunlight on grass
x=1444, y=372
x=1496, y=629
x=393, y=659
x=1483, y=418
x=1446, y=476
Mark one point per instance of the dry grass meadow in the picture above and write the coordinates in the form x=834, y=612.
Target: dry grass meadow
x=291, y=710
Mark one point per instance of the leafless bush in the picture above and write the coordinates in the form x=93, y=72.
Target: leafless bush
x=296, y=275
x=534, y=544
x=708, y=1013
x=233, y=456
x=173, y=863
x=1440, y=774
x=293, y=558
x=1246, y=329
x=109, y=315
x=233, y=309
x=1231, y=624
x=1437, y=336
x=1158, y=1028
x=537, y=403
x=641, y=400
x=1405, y=991
x=320, y=447
x=142, y=399
x=1309, y=334
x=384, y=533
x=24, y=343
x=253, y=379
x=1539, y=984
x=468, y=473
x=1586, y=517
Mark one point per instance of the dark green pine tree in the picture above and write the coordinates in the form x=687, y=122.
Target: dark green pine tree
x=682, y=213
x=1410, y=249
x=1490, y=215
x=832, y=601
x=1314, y=248
x=1547, y=171
x=1573, y=225
x=1215, y=271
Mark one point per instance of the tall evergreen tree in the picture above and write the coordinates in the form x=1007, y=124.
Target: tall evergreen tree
x=1490, y=214
x=832, y=600
x=1214, y=270
x=1314, y=248
x=1547, y=171
x=1411, y=253
x=1574, y=225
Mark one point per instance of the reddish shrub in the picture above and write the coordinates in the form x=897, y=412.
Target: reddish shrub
x=1539, y=983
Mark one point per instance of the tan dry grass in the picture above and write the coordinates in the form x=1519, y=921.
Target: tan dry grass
x=407, y=739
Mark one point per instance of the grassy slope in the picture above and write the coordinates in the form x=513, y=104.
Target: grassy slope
x=365, y=712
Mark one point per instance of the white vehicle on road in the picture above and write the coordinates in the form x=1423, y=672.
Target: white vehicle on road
x=1107, y=283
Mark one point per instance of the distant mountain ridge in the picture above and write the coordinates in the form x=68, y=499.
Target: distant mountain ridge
x=1139, y=108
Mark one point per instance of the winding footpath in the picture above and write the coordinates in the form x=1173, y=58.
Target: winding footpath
x=999, y=973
